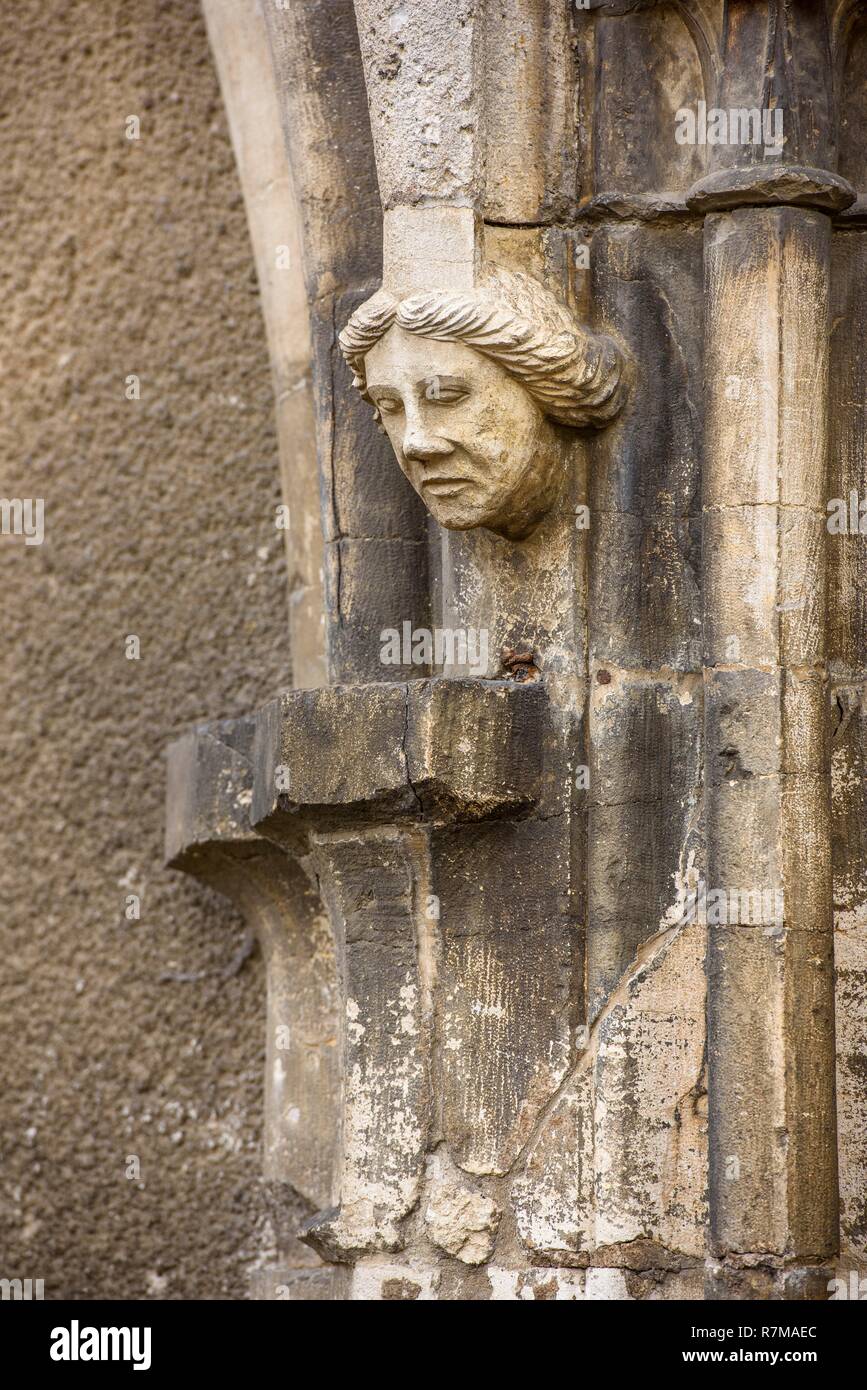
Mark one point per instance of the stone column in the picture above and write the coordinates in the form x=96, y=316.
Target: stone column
x=208, y=835
x=773, y=1166
x=375, y=538
x=239, y=43
x=373, y=884
x=771, y=1017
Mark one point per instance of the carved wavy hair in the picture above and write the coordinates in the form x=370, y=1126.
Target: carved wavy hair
x=573, y=375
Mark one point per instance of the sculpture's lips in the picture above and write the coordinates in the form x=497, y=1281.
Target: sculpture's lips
x=444, y=487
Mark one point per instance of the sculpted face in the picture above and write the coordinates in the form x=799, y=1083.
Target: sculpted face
x=470, y=439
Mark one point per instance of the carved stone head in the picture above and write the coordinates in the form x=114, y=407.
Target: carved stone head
x=472, y=389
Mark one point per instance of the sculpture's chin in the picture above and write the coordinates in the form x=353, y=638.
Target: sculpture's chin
x=464, y=517
x=515, y=530
x=457, y=523
x=510, y=529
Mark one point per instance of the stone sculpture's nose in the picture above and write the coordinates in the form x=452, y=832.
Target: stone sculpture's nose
x=421, y=443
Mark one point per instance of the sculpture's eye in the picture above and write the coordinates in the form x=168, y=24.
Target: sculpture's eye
x=388, y=405
x=450, y=395
x=445, y=390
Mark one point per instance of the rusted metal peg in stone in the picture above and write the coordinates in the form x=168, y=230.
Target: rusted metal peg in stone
x=519, y=663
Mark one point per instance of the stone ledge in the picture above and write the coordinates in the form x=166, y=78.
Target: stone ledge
x=441, y=750
x=762, y=186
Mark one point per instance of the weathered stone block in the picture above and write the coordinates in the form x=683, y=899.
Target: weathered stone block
x=508, y=985
x=770, y=990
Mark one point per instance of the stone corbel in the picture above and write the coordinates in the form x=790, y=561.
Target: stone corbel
x=336, y=801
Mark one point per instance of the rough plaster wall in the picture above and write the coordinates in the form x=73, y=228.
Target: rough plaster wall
x=124, y=257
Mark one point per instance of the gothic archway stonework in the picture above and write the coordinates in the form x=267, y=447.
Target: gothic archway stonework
x=561, y=869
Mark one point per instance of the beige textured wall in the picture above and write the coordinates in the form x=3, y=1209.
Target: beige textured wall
x=126, y=257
